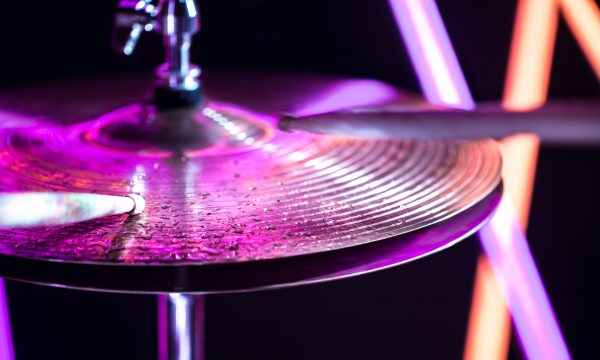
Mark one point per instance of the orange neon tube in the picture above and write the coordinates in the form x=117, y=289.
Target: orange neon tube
x=488, y=333
x=528, y=72
x=525, y=89
x=583, y=18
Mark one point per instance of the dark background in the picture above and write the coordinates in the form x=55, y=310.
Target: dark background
x=415, y=311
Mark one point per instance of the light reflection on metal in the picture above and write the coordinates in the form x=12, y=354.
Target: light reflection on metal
x=255, y=203
x=228, y=124
x=431, y=53
x=191, y=171
x=6, y=345
x=347, y=93
x=185, y=322
x=182, y=327
x=137, y=181
x=509, y=255
x=9, y=119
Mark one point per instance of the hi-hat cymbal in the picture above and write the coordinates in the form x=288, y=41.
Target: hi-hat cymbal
x=256, y=194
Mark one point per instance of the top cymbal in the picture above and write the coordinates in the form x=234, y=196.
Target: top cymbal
x=259, y=195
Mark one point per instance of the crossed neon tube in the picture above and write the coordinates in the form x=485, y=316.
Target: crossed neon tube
x=503, y=240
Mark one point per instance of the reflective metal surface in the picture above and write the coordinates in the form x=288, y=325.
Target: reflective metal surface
x=177, y=21
x=253, y=275
x=275, y=196
x=244, y=199
x=184, y=325
x=131, y=20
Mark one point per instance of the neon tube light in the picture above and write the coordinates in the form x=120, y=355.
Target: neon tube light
x=488, y=336
x=6, y=347
x=509, y=255
x=530, y=59
x=533, y=46
x=431, y=53
x=488, y=333
x=583, y=17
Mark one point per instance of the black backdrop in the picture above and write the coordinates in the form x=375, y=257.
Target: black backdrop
x=416, y=311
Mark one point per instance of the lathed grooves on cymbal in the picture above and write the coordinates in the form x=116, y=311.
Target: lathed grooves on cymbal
x=286, y=194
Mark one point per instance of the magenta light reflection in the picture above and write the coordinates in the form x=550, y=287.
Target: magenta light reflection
x=163, y=352
x=347, y=94
x=509, y=255
x=6, y=349
x=431, y=53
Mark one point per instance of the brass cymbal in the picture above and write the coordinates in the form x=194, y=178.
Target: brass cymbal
x=257, y=193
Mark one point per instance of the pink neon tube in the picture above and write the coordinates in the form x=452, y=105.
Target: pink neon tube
x=6, y=349
x=509, y=255
x=431, y=53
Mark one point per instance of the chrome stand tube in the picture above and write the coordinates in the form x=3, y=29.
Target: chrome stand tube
x=181, y=327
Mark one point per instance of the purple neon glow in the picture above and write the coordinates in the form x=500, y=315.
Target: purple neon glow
x=431, y=53
x=347, y=94
x=162, y=328
x=6, y=348
x=509, y=255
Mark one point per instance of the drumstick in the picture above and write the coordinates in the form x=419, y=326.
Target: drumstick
x=573, y=124
x=30, y=209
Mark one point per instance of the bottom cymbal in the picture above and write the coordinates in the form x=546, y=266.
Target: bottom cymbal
x=254, y=275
